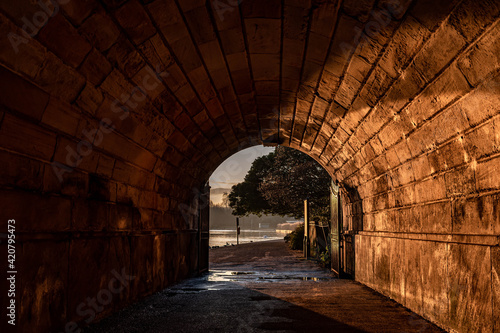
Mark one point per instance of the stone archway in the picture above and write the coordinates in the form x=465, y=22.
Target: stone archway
x=113, y=111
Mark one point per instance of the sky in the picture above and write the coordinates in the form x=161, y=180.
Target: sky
x=233, y=170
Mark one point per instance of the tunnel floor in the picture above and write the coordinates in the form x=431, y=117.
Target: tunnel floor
x=262, y=287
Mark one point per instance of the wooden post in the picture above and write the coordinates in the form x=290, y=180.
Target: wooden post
x=306, y=229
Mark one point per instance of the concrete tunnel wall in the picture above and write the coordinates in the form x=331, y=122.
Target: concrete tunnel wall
x=113, y=112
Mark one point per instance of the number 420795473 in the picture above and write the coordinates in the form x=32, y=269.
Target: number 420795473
x=11, y=251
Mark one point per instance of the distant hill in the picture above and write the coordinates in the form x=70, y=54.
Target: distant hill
x=219, y=190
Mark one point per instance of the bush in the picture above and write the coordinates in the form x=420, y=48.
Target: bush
x=324, y=259
x=296, y=238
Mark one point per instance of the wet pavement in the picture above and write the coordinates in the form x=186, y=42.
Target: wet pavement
x=262, y=287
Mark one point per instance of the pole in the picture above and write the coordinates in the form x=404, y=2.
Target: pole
x=237, y=231
x=306, y=229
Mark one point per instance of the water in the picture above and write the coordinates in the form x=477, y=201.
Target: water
x=221, y=237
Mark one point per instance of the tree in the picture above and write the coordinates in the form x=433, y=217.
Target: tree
x=279, y=183
x=245, y=198
x=225, y=199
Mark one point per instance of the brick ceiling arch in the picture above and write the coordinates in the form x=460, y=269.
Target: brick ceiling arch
x=360, y=86
x=114, y=113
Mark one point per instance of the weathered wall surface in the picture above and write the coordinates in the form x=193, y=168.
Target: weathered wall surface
x=428, y=181
x=398, y=100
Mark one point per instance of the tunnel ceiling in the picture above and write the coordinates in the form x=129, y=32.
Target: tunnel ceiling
x=362, y=86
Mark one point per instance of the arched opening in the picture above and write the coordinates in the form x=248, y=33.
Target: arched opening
x=114, y=112
x=223, y=224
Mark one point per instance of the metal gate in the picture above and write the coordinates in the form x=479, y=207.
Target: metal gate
x=335, y=230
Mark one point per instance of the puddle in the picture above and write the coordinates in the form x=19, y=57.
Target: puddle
x=303, y=278
x=238, y=276
x=218, y=280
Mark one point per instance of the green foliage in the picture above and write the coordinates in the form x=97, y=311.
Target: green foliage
x=279, y=183
x=245, y=198
x=296, y=238
x=324, y=258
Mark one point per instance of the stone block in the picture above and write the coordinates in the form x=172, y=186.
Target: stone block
x=359, y=9
x=135, y=21
x=476, y=215
x=431, y=189
x=404, y=175
x=487, y=175
x=100, y=271
x=124, y=56
x=317, y=48
x=143, y=257
x=395, y=8
x=130, y=175
x=265, y=66
x=27, y=10
x=185, y=50
x=169, y=20
x=62, y=116
x=59, y=80
x=73, y=183
x=129, y=151
x=198, y=20
x=69, y=153
x=100, y=30
x=471, y=17
x=214, y=61
x=90, y=215
x=405, y=43
x=481, y=142
x=469, y=276
x=261, y=8
x=26, y=58
x=127, y=195
x=95, y=67
x=421, y=167
x=397, y=275
x=27, y=138
x=21, y=172
x=483, y=59
x=440, y=49
x=14, y=91
x=78, y=11
x=482, y=103
x=431, y=19
x=433, y=269
x=495, y=276
x=448, y=87
x=233, y=42
x=381, y=264
x=101, y=188
x=42, y=286
x=460, y=182
x=347, y=91
x=45, y=213
x=60, y=37
x=414, y=283
x=90, y=99
x=436, y=217
x=406, y=220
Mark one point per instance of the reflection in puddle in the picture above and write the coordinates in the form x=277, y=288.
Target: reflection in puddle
x=235, y=276
x=216, y=280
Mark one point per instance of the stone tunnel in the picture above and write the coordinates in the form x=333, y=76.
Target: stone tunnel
x=114, y=114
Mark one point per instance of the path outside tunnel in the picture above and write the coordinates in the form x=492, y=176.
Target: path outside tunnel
x=262, y=287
